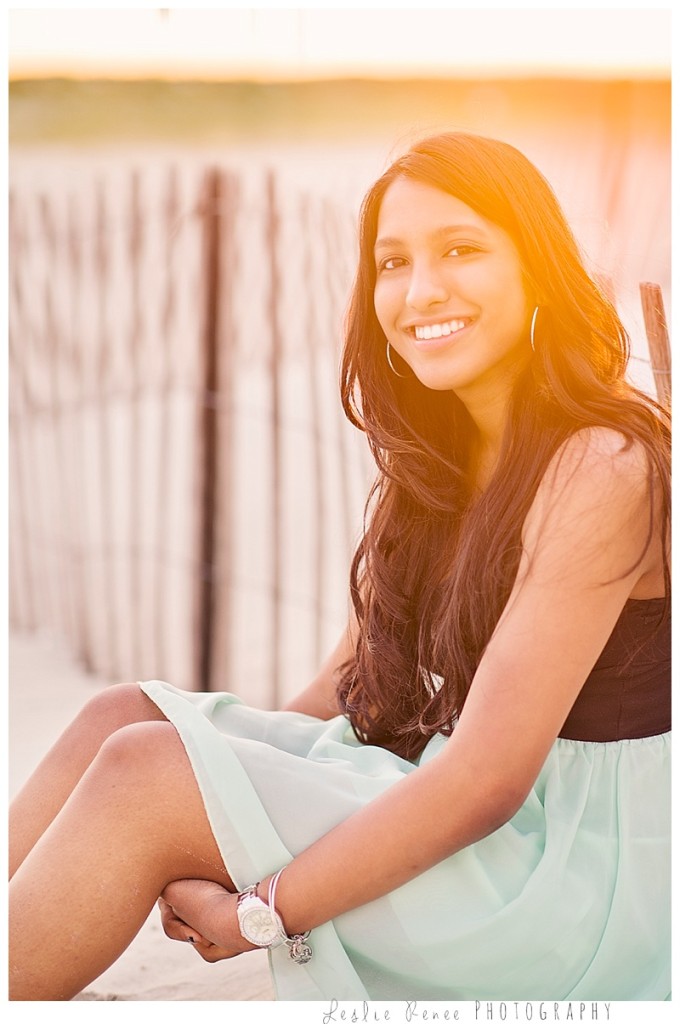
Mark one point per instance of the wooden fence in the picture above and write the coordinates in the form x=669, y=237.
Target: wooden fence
x=184, y=490
x=185, y=493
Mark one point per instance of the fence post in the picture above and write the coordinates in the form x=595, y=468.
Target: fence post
x=272, y=228
x=313, y=332
x=135, y=235
x=171, y=215
x=18, y=403
x=212, y=225
x=658, y=339
x=104, y=641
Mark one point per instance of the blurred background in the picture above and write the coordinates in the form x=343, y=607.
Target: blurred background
x=185, y=494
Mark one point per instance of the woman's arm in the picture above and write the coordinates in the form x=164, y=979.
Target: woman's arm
x=318, y=699
x=583, y=540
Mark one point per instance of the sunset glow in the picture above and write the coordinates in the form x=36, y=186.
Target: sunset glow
x=272, y=43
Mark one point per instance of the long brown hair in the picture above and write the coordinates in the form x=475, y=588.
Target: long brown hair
x=436, y=563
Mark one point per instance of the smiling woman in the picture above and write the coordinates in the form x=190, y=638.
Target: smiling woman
x=466, y=429
x=471, y=798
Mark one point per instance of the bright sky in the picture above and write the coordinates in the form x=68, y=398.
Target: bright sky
x=270, y=42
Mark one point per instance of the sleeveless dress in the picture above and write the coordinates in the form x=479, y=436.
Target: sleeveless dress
x=570, y=899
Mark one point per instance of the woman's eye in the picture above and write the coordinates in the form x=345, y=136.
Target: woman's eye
x=462, y=250
x=391, y=263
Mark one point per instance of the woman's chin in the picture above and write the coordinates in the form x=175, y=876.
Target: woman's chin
x=438, y=381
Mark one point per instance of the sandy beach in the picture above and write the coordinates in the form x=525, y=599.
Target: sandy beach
x=46, y=689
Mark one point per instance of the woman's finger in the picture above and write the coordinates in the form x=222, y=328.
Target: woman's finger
x=211, y=953
x=177, y=929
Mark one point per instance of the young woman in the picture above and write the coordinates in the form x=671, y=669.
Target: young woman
x=471, y=800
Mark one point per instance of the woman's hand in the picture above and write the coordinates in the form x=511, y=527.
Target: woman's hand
x=203, y=913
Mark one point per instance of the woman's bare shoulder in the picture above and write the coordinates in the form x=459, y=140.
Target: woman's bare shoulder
x=597, y=449
x=593, y=504
x=596, y=465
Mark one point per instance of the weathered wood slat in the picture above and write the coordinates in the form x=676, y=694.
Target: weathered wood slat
x=272, y=230
x=170, y=215
x=23, y=577
x=207, y=441
x=103, y=605
x=658, y=339
x=135, y=231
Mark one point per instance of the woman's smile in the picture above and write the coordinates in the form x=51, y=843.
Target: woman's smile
x=430, y=336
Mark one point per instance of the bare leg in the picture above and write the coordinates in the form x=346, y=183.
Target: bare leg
x=134, y=822
x=48, y=788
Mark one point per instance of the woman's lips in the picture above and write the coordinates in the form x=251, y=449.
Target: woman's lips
x=433, y=343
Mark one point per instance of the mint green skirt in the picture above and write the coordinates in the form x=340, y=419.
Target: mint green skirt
x=571, y=899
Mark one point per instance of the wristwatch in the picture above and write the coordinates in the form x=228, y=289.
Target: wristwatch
x=257, y=922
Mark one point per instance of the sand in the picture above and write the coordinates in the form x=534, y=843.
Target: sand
x=46, y=689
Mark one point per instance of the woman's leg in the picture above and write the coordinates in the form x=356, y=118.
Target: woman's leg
x=134, y=822
x=59, y=772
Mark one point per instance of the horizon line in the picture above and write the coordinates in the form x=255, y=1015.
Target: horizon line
x=496, y=74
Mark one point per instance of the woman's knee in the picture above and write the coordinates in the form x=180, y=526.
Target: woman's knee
x=144, y=747
x=116, y=707
x=145, y=769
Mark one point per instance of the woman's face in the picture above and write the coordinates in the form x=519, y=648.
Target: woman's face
x=450, y=293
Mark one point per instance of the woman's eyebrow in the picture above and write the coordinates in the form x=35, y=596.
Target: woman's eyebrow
x=388, y=242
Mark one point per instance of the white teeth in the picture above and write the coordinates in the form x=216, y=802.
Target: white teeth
x=439, y=330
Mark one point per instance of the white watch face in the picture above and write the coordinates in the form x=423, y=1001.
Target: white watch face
x=257, y=926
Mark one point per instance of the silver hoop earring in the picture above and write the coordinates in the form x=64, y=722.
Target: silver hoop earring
x=389, y=360
x=533, y=328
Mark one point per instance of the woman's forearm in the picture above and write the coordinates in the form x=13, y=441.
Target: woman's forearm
x=422, y=819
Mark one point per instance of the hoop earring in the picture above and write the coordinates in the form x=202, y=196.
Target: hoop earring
x=389, y=360
x=533, y=328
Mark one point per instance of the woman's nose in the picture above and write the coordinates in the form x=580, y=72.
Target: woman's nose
x=426, y=287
